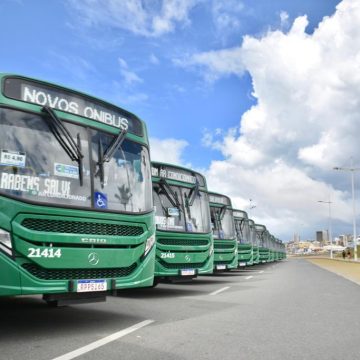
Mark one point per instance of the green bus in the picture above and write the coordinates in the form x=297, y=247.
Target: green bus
x=262, y=235
x=255, y=242
x=184, y=243
x=225, y=244
x=245, y=246
x=76, y=208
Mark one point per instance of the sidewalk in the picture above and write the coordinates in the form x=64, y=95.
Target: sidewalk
x=345, y=268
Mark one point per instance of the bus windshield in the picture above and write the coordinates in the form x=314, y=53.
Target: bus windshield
x=174, y=212
x=222, y=223
x=242, y=231
x=36, y=167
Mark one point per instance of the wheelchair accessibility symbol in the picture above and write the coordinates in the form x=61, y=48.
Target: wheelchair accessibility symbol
x=100, y=200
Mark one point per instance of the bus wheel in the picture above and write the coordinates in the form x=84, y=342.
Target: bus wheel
x=155, y=283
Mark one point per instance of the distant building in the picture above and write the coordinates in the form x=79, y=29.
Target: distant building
x=322, y=237
x=346, y=239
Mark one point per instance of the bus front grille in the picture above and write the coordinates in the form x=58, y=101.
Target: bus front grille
x=183, y=242
x=182, y=265
x=80, y=227
x=74, y=274
x=223, y=246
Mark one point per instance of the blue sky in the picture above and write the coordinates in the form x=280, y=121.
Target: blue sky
x=259, y=95
x=52, y=40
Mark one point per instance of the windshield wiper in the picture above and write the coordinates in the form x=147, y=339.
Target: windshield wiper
x=222, y=212
x=170, y=194
x=65, y=139
x=105, y=156
x=114, y=145
x=194, y=192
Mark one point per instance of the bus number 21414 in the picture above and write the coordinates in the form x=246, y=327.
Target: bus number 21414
x=47, y=253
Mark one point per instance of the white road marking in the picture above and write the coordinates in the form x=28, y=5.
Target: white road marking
x=248, y=277
x=96, y=344
x=220, y=290
x=260, y=272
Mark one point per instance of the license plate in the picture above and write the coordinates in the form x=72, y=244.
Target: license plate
x=242, y=264
x=187, y=272
x=220, y=267
x=91, y=285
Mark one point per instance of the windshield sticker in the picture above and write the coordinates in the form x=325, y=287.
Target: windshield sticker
x=12, y=158
x=173, y=211
x=64, y=170
x=164, y=221
x=39, y=186
x=167, y=223
x=100, y=200
x=189, y=226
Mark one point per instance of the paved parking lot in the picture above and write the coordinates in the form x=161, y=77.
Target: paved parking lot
x=288, y=310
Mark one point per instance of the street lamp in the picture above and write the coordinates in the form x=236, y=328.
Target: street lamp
x=352, y=170
x=251, y=207
x=330, y=232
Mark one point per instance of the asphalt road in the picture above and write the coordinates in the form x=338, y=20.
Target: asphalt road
x=289, y=310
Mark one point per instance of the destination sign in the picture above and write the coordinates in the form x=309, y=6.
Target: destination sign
x=70, y=102
x=172, y=173
x=240, y=214
x=218, y=199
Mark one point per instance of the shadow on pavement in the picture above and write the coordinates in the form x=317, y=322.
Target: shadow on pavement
x=32, y=317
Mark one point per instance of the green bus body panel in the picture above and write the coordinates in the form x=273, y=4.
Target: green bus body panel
x=256, y=255
x=185, y=257
x=264, y=255
x=224, y=254
x=77, y=258
x=245, y=254
x=142, y=277
x=10, y=277
x=119, y=251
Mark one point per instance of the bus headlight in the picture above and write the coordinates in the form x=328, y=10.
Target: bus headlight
x=5, y=242
x=149, y=244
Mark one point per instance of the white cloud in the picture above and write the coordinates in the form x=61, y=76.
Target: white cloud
x=167, y=150
x=226, y=15
x=129, y=76
x=284, y=19
x=306, y=120
x=216, y=63
x=154, y=59
x=141, y=17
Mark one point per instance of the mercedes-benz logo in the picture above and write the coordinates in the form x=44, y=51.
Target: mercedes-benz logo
x=187, y=258
x=93, y=258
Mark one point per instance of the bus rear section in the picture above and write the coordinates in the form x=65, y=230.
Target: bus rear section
x=225, y=243
x=184, y=244
x=242, y=229
x=76, y=211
